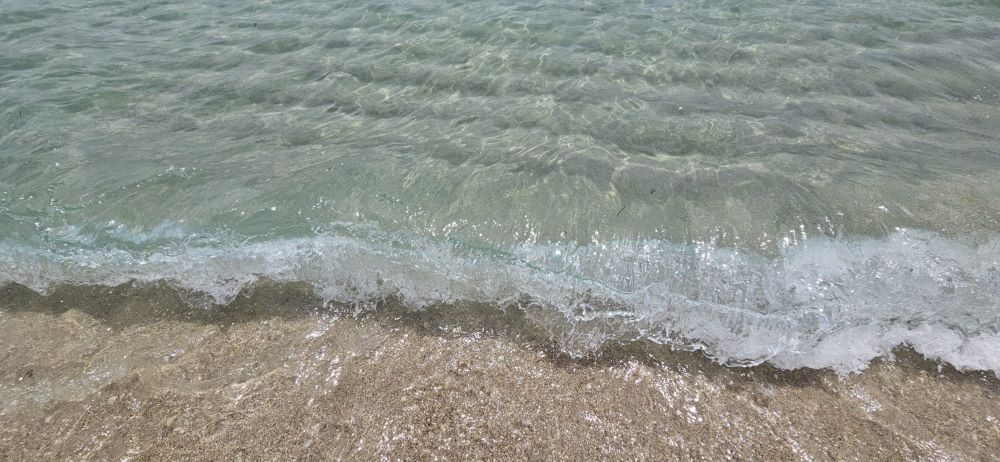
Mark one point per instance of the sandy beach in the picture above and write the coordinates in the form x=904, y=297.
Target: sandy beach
x=500, y=230
x=131, y=373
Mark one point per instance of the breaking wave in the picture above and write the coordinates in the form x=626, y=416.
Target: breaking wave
x=819, y=303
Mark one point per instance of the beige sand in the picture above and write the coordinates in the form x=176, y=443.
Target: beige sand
x=104, y=376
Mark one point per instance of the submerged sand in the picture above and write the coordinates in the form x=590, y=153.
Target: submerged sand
x=98, y=374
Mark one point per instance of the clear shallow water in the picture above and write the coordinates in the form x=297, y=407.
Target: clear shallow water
x=809, y=183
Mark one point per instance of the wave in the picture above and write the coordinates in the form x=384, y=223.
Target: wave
x=819, y=303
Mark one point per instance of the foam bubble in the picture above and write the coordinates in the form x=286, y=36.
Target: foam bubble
x=824, y=303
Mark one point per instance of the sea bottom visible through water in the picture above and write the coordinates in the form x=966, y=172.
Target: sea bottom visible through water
x=805, y=185
x=559, y=229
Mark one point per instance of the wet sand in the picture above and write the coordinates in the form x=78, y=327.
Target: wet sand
x=126, y=374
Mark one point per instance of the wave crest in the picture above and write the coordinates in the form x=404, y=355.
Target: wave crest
x=820, y=303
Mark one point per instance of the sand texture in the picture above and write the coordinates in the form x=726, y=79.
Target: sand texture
x=110, y=375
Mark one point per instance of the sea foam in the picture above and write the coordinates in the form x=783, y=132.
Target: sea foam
x=822, y=303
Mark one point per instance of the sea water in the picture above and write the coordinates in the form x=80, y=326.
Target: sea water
x=808, y=183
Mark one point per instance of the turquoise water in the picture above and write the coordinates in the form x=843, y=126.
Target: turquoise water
x=808, y=183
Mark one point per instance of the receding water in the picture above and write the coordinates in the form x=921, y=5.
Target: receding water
x=810, y=183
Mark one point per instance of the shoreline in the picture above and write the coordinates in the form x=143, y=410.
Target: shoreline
x=112, y=374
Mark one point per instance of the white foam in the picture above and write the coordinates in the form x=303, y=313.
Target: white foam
x=828, y=303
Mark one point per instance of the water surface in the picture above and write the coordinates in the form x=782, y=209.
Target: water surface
x=810, y=183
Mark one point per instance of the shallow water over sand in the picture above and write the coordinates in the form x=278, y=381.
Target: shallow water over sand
x=118, y=375
x=810, y=184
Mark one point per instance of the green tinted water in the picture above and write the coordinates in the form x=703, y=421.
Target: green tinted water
x=494, y=150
